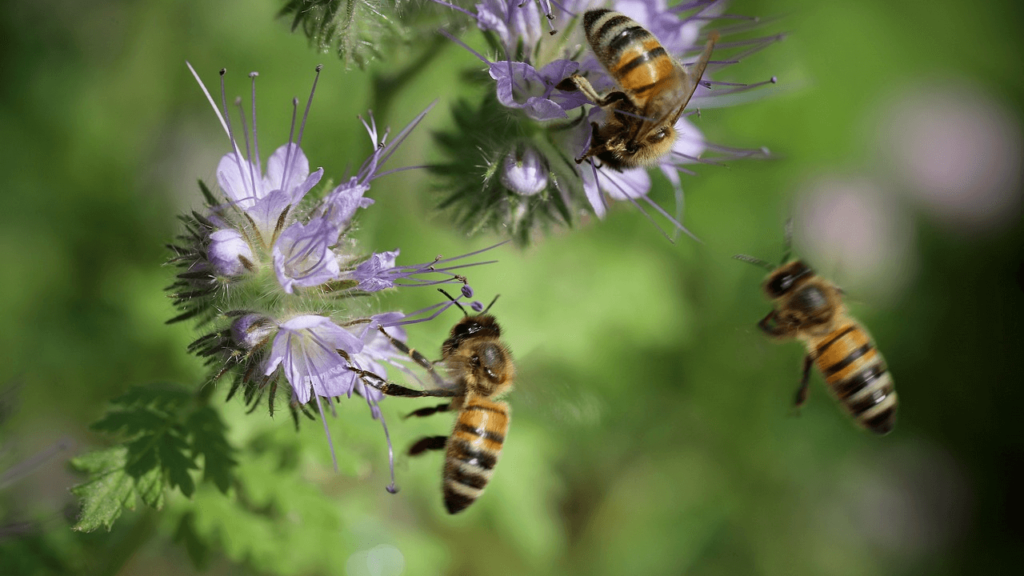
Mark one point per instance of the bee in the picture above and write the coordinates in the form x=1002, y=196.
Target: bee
x=480, y=371
x=653, y=91
x=810, y=308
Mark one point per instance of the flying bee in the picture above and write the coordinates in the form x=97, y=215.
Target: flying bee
x=653, y=91
x=480, y=371
x=810, y=308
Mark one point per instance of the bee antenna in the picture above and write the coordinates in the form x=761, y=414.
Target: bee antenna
x=754, y=261
x=454, y=301
x=491, y=304
x=787, y=244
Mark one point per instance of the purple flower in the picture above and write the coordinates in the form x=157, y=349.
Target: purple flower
x=378, y=349
x=523, y=87
x=341, y=204
x=532, y=151
x=303, y=257
x=372, y=274
x=526, y=175
x=263, y=330
x=625, y=185
x=263, y=197
x=286, y=182
x=227, y=250
x=306, y=348
x=512, y=21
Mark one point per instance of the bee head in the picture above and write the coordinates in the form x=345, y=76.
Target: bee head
x=474, y=349
x=490, y=364
x=781, y=281
x=646, y=150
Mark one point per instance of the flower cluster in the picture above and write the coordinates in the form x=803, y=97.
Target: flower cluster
x=519, y=143
x=269, y=270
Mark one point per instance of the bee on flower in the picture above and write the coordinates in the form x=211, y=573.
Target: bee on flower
x=600, y=96
x=277, y=287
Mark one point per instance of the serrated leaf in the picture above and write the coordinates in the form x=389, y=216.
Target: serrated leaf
x=142, y=457
x=208, y=440
x=150, y=487
x=128, y=422
x=176, y=459
x=109, y=491
x=166, y=397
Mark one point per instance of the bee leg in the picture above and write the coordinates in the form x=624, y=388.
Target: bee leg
x=801, y=393
x=392, y=389
x=427, y=443
x=773, y=326
x=769, y=325
x=429, y=411
x=612, y=98
x=416, y=356
x=577, y=82
x=595, y=149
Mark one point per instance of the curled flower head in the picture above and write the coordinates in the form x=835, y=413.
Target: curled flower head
x=274, y=280
x=534, y=105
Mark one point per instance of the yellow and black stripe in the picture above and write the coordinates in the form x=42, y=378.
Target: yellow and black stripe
x=857, y=376
x=632, y=55
x=473, y=450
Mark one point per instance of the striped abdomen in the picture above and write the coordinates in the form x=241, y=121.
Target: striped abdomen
x=473, y=450
x=632, y=55
x=857, y=376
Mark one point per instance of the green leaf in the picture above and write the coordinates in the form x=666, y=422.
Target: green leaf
x=162, y=396
x=128, y=422
x=174, y=455
x=155, y=454
x=198, y=551
x=208, y=441
x=150, y=487
x=109, y=490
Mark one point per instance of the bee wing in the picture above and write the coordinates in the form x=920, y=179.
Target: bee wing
x=689, y=79
x=545, y=392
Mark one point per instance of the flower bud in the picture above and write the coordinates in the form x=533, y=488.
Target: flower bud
x=226, y=251
x=526, y=176
x=251, y=330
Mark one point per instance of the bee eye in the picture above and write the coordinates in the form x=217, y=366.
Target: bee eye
x=780, y=285
x=659, y=136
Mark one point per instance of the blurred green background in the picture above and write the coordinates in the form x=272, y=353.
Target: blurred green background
x=653, y=427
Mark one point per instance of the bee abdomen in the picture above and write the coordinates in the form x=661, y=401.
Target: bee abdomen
x=623, y=45
x=473, y=451
x=858, y=378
